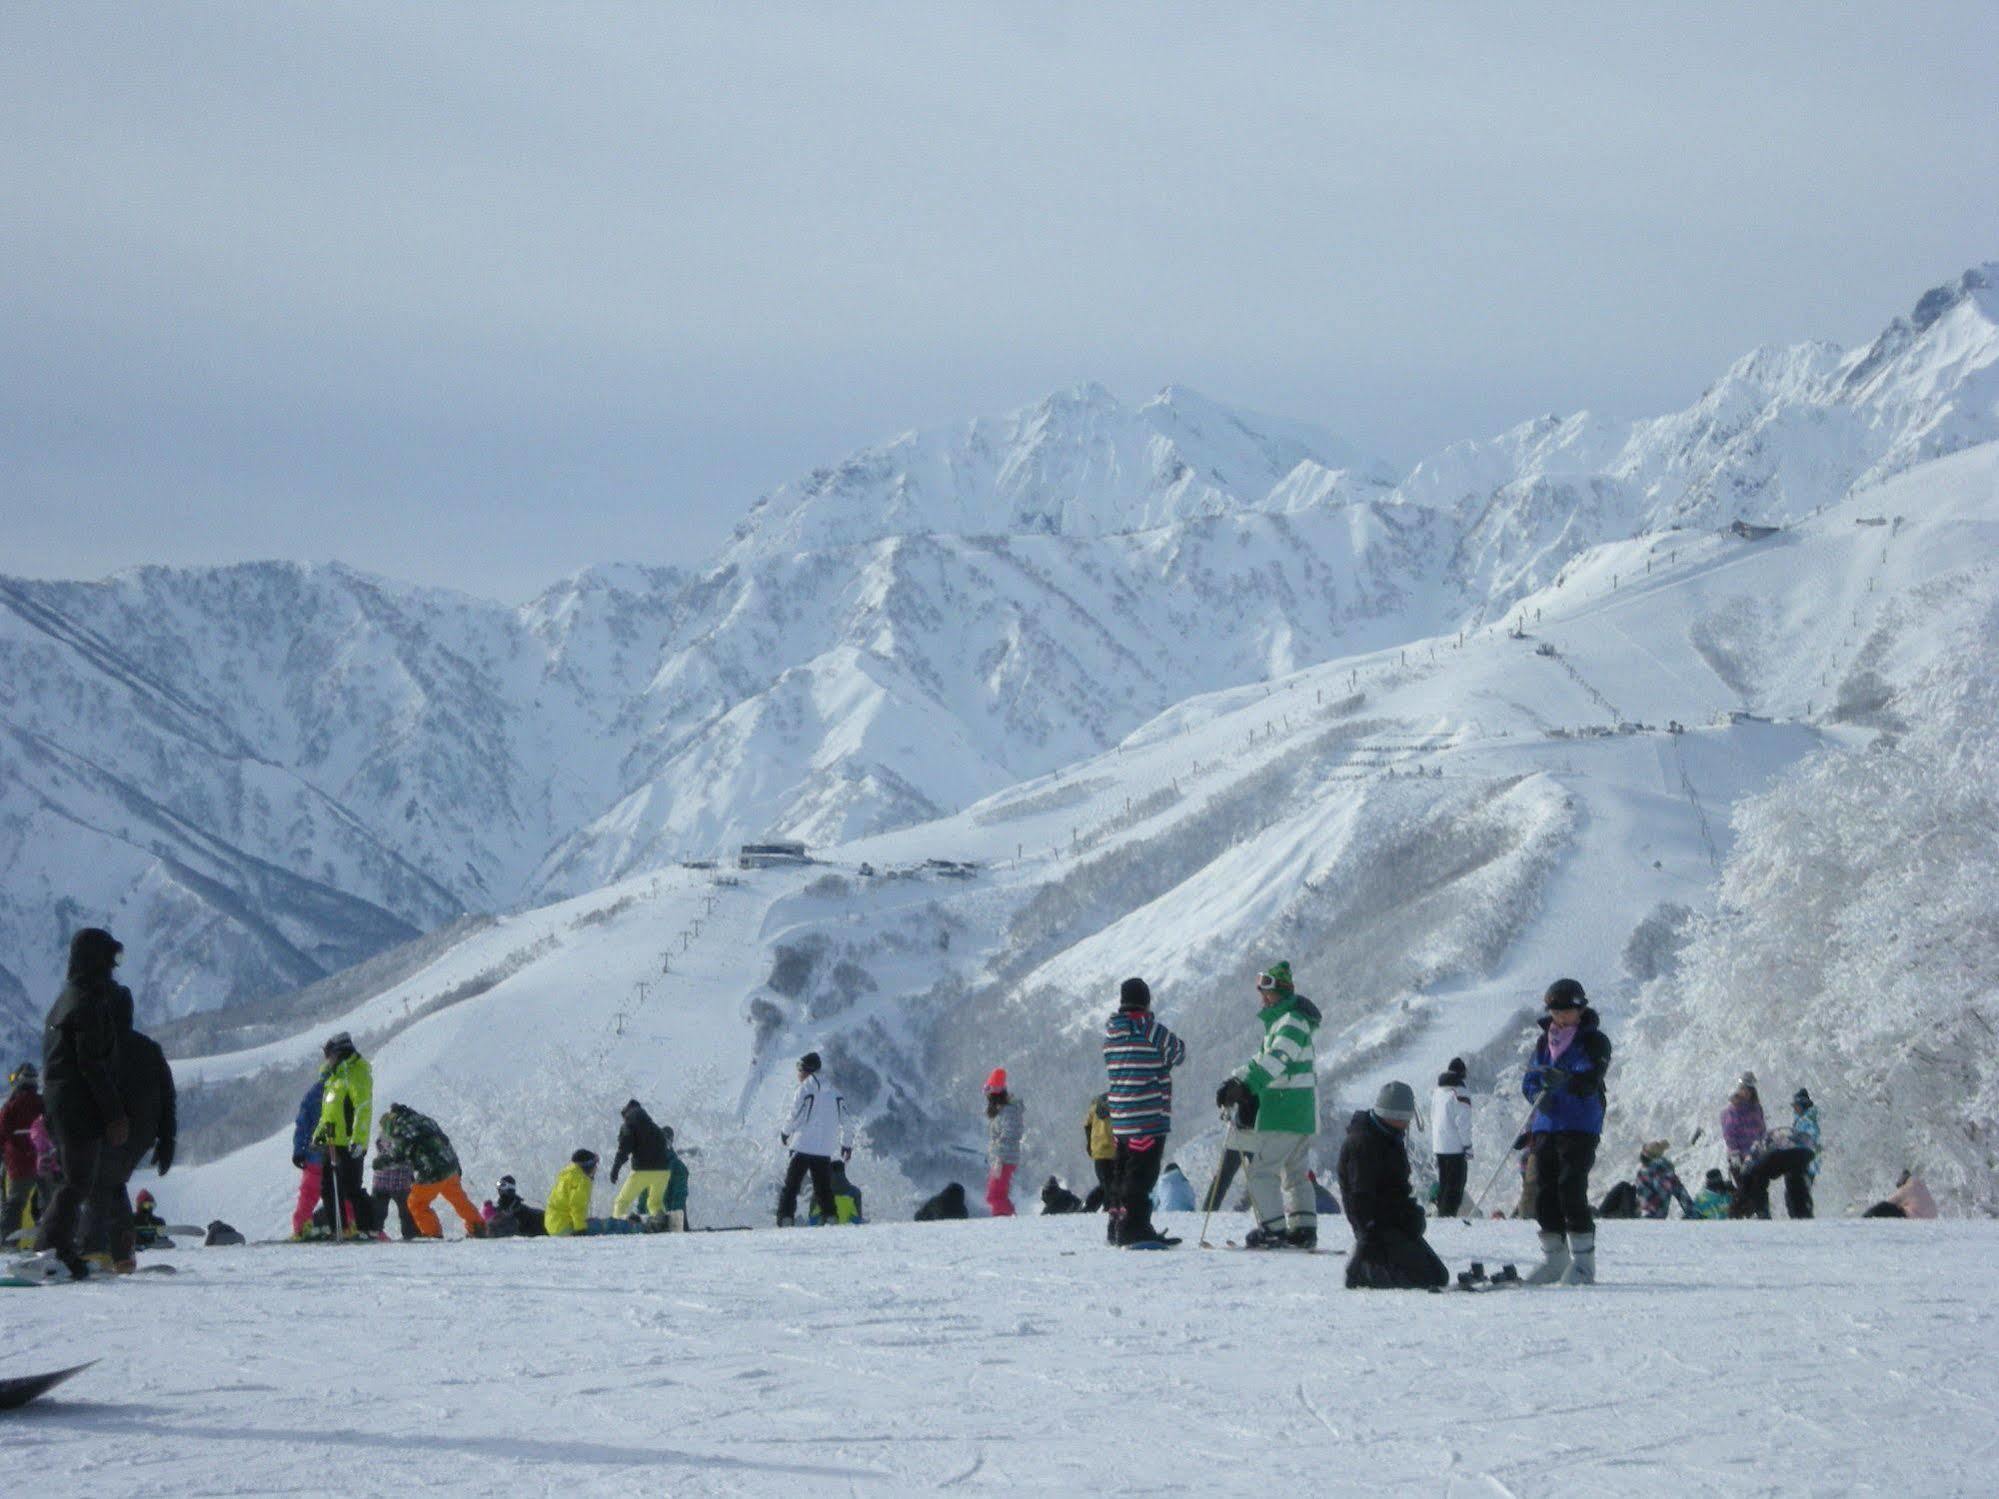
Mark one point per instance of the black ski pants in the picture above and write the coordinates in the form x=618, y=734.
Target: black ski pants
x=405, y=1223
x=90, y=1185
x=1383, y=1260
x=1451, y=1171
x=340, y=1182
x=1562, y=1162
x=821, y=1169
x=1752, y=1197
x=1131, y=1198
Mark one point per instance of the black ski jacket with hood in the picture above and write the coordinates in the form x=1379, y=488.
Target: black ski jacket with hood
x=640, y=1141
x=80, y=1040
x=1374, y=1180
x=146, y=1084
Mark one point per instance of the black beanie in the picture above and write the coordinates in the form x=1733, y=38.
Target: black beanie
x=1133, y=994
x=587, y=1159
x=1457, y=1067
x=93, y=952
x=809, y=1062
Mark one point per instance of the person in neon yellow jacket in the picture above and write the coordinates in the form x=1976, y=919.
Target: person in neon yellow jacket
x=568, y=1210
x=346, y=1110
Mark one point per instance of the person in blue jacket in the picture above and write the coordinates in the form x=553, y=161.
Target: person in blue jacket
x=309, y=1159
x=1174, y=1194
x=1565, y=1083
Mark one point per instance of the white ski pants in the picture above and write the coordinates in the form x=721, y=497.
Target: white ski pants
x=1280, y=1194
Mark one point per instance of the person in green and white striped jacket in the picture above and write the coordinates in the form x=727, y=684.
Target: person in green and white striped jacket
x=1275, y=1094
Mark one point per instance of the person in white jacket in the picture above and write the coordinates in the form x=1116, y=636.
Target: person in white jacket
x=1450, y=1137
x=818, y=1126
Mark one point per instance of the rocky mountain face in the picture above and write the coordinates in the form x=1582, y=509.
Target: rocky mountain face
x=262, y=773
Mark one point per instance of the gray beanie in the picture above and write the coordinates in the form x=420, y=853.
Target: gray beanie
x=1396, y=1102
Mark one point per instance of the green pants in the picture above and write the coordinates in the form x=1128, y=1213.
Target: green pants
x=646, y=1184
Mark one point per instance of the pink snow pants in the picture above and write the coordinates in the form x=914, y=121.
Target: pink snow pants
x=999, y=1191
x=308, y=1201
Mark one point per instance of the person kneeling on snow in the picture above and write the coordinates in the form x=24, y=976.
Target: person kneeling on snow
x=1174, y=1194
x=568, y=1210
x=1388, y=1251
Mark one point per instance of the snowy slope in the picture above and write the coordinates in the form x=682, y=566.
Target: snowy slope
x=1021, y=1358
x=1429, y=834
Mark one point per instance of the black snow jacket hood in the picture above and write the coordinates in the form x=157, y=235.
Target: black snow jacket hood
x=640, y=1141
x=80, y=1040
x=949, y=1203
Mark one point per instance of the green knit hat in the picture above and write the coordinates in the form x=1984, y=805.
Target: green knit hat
x=1276, y=979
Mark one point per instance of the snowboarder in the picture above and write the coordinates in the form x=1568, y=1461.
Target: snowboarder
x=675, y=1212
x=1056, y=1198
x=85, y=1113
x=1565, y=1083
x=643, y=1143
x=17, y=1151
x=1450, y=1137
x=146, y=1085
x=1804, y=1132
x=148, y=1227
x=947, y=1204
x=346, y=1110
x=418, y=1139
x=1716, y=1197
x=1742, y=1126
x=390, y=1181
x=568, y=1210
x=1006, y=1119
x=1174, y=1194
x=816, y=1127
x=508, y=1217
x=1140, y=1054
x=1658, y=1184
x=1101, y=1144
x=1282, y=1080
x=1388, y=1248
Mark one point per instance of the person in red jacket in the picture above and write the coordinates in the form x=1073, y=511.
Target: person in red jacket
x=17, y=1148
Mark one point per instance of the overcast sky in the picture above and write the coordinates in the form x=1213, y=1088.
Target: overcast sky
x=480, y=294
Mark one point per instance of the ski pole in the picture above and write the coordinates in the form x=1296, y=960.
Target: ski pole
x=1493, y=1180
x=1228, y=1140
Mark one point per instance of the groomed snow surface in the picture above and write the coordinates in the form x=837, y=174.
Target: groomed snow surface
x=1833, y=1357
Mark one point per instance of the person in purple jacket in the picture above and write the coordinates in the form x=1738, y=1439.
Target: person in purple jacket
x=1565, y=1083
x=1743, y=1127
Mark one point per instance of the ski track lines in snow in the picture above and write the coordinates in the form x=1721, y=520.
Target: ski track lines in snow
x=1835, y=1357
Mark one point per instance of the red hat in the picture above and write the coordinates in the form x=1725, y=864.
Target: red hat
x=997, y=1082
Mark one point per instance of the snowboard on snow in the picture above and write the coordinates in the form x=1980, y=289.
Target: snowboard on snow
x=19, y=1390
x=1247, y=1249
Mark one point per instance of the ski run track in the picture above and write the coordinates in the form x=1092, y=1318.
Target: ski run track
x=1834, y=1357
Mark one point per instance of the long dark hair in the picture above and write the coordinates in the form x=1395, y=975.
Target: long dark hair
x=998, y=1099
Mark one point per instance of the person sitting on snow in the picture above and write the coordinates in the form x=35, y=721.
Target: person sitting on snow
x=1388, y=1222
x=1659, y=1184
x=1716, y=1196
x=509, y=1217
x=1174, y=1194
x=1056, y=1198
x=1910, y=1199
x=846, y=1200
x=949, y=1203
x=148, y=1227
x=568, y=1210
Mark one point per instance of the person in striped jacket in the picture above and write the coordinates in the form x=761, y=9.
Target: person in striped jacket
x=1140, y=1054
x=1281, y=1083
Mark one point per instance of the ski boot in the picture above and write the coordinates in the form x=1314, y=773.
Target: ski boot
x=1554, y=1260
x=785, y=1220
x=1582, y=1260
x=1265, y=1238
x=1471, y=1279
x=1302, y=1238
x=1507, y=1276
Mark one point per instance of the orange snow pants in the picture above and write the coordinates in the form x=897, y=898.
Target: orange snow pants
x=423, y=1194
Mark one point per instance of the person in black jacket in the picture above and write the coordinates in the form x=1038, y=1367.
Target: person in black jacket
x=1388, y=1250
x=146, y=1084
x=643, y=1143
x=86, y=1112
x=511, y=1218
x=1056, y=1198
x=949, y=1203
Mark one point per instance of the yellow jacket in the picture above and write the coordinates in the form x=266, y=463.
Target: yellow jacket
x=1097, y=1132
x=568, y=1210
x=347, y=1107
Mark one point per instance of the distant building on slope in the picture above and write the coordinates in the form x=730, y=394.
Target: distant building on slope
x=1749, y=531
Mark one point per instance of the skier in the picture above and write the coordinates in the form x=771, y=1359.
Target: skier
x=1742, y=1126
x=1565, y=1083
x=568, y=1210
x=418, y=1140
x=947, y=1204
x=819, y=1125
x=390, y=1181
x=85, y=1113
x=1388, y=1249
x=1101, y=1144
x=1006, y=1118
x=1174, y=1194
x=1140, y=1054
x=1450, y=1137
x=643, y=1143
x=1659, y=1184
x=346, y=1109
x=146, y=1085
x=508, y=1217
x=1282, y=1080
x=1056, y=1199
x=1717, y=1196
x=17, y=1151
x=1804, y=1132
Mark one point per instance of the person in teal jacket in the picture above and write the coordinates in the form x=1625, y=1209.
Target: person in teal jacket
x=1277, y=1089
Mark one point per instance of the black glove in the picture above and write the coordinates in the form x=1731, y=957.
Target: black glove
x=1231, y=1093
x=846, y=1152
x=163, y=1158
x=784, y=1140
x=614, y=1175
x=298, y=1162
